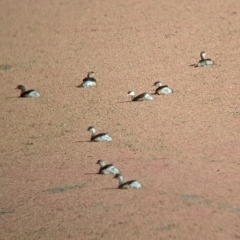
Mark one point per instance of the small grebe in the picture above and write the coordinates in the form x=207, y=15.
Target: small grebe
x=142, y=97
x=29, y=93
x=127, y=185
x=89, y=81
x=162, y=89
x=204, y=62
x=101, y=137
x=107, y=169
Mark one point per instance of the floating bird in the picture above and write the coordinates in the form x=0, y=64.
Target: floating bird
x=162, y=89
x=203, y=62
x=101, y=137
x=142, y=97
x=29, y=93
x=107, y=169
x=127, y=185
x=89, y=81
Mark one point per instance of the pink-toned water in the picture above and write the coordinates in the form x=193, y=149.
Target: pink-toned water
x=183, y=148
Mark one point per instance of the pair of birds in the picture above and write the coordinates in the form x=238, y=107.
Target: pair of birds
x=110, y=169
x=89, y=81
x=161, y=90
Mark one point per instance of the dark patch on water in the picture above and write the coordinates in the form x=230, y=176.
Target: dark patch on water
x=3, y=212
x=202, y=201
x=65, y=188
x=167, y=227
x=4, y=67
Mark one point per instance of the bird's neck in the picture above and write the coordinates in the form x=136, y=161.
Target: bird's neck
x=23, y=90
x=120, y=179
x=93, y=135
x=102, y=164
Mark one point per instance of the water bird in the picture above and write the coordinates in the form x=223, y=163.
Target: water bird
x=89, y=81
x=203, y=62
x=29, y=93
x=127, y=185
x=101, y=137
x=162, y=89
x=142, y=97
x=106, y=168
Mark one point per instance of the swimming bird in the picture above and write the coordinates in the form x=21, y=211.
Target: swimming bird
x=106, y=169
x=89, y=81
x=162, y=89
x=203, y=62
x=101, y=137
x=142, y=97
x=127, y=185
x=29, y=93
